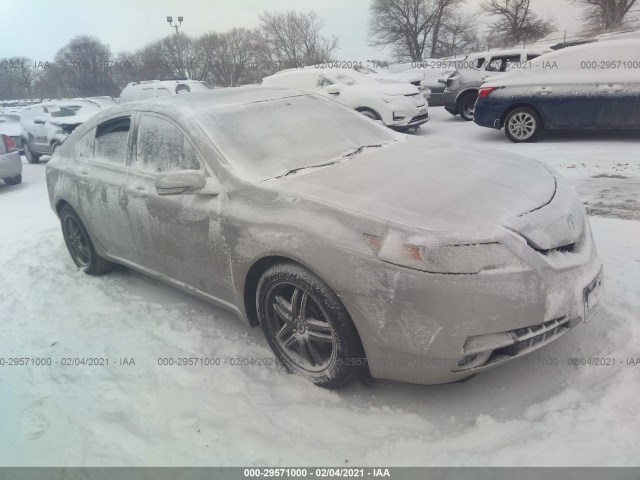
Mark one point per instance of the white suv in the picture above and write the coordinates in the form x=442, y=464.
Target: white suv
x=45, y=126
x=397, y=105
x=159, y=88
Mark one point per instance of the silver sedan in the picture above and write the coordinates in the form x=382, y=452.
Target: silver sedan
x=357, y=250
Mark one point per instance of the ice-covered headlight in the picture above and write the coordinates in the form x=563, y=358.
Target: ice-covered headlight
x=459, y=258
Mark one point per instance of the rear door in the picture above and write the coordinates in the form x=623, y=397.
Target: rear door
x=618, y=87
x=101, y=175
x=178, y=236
x=564, y=91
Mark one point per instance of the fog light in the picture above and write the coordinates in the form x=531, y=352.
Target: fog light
x=397, y=118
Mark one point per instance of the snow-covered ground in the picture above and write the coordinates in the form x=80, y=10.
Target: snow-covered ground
x=538, y=410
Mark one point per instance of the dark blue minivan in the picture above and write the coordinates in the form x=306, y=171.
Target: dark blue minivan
x=593, y=86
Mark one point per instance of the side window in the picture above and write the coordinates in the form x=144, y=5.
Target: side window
x=478, y=63
x=112, y=138
x=162, y=148
x=146, y=93
x=84, y=146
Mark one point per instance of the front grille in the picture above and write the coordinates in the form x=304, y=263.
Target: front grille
x=419, y=118
x=491, y=349
x=529, y=337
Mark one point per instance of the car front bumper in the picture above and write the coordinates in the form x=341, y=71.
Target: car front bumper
x=10, y=165
x=440, y=328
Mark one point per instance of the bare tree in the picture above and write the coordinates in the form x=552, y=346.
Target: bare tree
x=409, y=27
x=516, y=22
x=459, y=35
x=86, y=64
x=292, y=39
x=231, y=56
x=606, y=14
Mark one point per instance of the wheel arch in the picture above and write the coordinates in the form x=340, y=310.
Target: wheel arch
x=252, y=278
x=369, y=109
x=463, y=93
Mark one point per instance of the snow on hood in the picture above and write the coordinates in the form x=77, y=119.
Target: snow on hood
x=389, y=88
x=439, y=188
x=10, y=127
x=405, y=77
x=71, y=120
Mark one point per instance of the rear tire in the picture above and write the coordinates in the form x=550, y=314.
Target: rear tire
x=79, y=244
x=13, y=180
x=307, y=326
x=31, y=157
x=523, y=125
x=467, y=105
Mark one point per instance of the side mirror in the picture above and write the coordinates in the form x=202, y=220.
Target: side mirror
x=333, y=89
x=39, y=120
x=181, y=182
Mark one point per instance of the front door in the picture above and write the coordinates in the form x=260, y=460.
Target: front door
x=178, y=236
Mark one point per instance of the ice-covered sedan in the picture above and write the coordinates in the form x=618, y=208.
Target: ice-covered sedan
x=350, y=246
x=588, y=87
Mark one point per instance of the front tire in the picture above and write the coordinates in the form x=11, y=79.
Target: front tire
x=79, y=244
x=31, y=156
x=307, y=326
x=13, y=180
x=467, y=105
x=523, y=125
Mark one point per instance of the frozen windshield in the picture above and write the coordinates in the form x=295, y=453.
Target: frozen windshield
x=73, y=109
x=267, y=139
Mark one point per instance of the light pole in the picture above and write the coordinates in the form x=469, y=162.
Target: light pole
x=178, y=48
x=177, y=25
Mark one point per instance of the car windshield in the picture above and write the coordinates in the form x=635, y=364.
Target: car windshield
x=73, y=109
x=284, y=137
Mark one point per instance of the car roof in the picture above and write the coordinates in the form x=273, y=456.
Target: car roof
x=193, y=102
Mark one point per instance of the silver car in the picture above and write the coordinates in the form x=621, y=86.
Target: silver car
x=353, y=249
x=10, y=163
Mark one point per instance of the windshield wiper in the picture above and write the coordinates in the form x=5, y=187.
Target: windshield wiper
x=296, y=170
x=360, y=149
x=326, y=164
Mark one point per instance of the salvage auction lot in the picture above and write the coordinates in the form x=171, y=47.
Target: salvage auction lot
x=577, y=395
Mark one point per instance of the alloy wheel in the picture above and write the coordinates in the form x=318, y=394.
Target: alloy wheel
x=522, y=126
x=300, y=327
x=78, y=242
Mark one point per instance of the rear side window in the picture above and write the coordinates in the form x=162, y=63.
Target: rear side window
x=111, y=141
x=161, y=147
x=146, y=93
x=84, y=146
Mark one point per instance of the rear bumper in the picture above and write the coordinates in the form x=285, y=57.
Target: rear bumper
x=10, y=165
x=449, y=99
x=488, y=115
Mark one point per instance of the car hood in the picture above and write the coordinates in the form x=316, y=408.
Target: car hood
x=430, y=186
x=388, y=88
x=405, y=77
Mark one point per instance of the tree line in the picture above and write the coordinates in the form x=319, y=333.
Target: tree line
x=412, y=30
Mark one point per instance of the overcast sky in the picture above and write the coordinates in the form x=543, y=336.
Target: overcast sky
x=44, y=26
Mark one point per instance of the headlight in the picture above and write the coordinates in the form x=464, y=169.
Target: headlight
x=459, y=258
